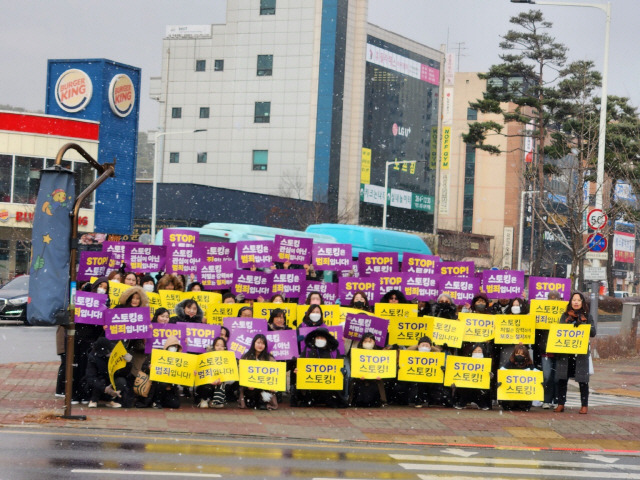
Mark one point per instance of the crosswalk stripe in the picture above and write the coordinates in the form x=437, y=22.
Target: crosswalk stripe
x=596, y=399
x=490, y=471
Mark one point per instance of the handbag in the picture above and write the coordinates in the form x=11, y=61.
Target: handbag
x=590, y=364
x=142, y=384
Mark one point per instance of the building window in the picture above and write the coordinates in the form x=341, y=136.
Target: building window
x=260, y=159
x=176, y=112
x=265, y=65
x=201, y=65
x=262, y=112
x=267, y=7
x=202, y=157
x=27, y=179
x=174, y=157
x=218, y=65
x=469, y=188
x=204, y=112
x=6, y=162
x=472, y=114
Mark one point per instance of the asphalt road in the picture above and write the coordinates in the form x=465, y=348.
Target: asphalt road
x=70, y=454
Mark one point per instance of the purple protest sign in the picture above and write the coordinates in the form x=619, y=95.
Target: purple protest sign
x=419, y=263
x=255, y=253
x=352, y=270
x=283, y=344
x=92, y=264
x=539, y=287
x=249, y=325
x=160, y=333
x=240, y=340
x=116, y=251
x=90, y=307
x=421, y=287
x=200, y=336
x=332, y=256
x=337, y=331
x=292, y=249
x=347, y=288
x=386, y=282
x=329, y=291
x=145, y=258
x=252, y=284
x=372, y=263
x=503, y=283
x=357, y=325
x=288, y=283
x=183, y=260
x=128, y=323
x=216, y=275
x=211, y=252
x=462, y=290
x=179, y=238
x=461, y=269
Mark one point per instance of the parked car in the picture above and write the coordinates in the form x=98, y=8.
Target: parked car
x=621, y=294
x=13, y=299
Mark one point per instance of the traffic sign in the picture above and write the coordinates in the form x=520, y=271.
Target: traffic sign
x=596, y=242
x=588, y=255
x=595, y=273
x=596, y=219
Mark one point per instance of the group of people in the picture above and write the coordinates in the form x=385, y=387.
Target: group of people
x=134, y=389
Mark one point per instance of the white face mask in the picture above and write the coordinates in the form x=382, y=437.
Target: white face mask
x=424, y=349
x=173, y=348
x=315, y=317
x=515, y=309
x=477, y=355
x=101, y=290
x=321, y=342
x=368, y=346
x=147, y=287
x=465, y=310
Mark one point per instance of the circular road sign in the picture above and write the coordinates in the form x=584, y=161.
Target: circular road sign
x=596, y=242
x=596, y=219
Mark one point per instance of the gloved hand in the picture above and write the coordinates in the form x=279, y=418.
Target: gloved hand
x=343, y=371
x=499, y=384
x=127, y=357
x=110, y=391
x=444, y=369
x=300, y=338
x=576, y=323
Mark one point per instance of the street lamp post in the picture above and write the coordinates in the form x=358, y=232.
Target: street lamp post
x=521, y=229
x=386, y=185
x=154, y=195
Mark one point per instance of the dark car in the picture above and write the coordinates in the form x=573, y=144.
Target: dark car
x=13, y=299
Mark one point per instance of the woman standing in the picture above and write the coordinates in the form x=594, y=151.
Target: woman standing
x=576, y=366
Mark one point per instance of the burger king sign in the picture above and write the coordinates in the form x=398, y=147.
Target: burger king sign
x=73, y=90
x=122, y=95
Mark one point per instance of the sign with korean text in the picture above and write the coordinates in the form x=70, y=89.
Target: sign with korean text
x=407, y=331
x=116, y=252
x=373, y=364
x=503, y=283
x=565, y=338
x=217, y=275
x=357, y=325
x=252, y=284
x=217, y=312
x=216, y=367
x=467, y=372
x=116, y=361
x=160, y=333
x=336, y=330
x=263, y=310
x=517, y=384
x=421, y=287
x=212, y=252
x=155, y=302
x=460, y=269
x=514, y=329
x=478, y=327
x=329, y=291
x=179, y=238
x=365, y=166
x=349, y=286
x=447, y=331
x=330, y=314
x=203, y=298
x=319, y=374
x=421, y=367
x=172, y=367
x=182, y=260
x=396, y=310
x=255, y=253
x=539, y=287
x=92, y=264
x=288, y=283
x=461, y=290
x=115, y=290
x=200, y=336
x=170, y=298
x=283, y=344
x=332, y=256
x=369, y=263
x=264, y=375
x=386, y=282
x=547, y=312
x=419, y=263
x=145, y=258
x=127, y=323
x=241, y=335
x=252, y=326
x=90, y=307
x=294, y=250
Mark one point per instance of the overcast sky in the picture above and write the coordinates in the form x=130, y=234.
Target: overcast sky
x=131, y=32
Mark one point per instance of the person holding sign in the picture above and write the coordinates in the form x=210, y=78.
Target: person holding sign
x=313, y=317
x=170, y=282
x=521, y=360
x=277, y=320
x=394, y=296
x=254, y=397
x=314, y=298
x=132, y=298
x=445, y=308
x=360, y=301
x=167, y=395
x=97, y=376
x=367, y=393
x=188, y=311
x=423, y=394
x=576, y=366
x=212, y=395
x=547, y=361
x=464, y=396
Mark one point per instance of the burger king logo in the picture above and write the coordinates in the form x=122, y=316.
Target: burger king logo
x=121, y=95
x=73, y=90
x=4, y=215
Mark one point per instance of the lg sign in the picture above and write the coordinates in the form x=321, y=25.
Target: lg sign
x=402, y=131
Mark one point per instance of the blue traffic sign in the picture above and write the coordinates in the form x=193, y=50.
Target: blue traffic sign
x=596, y=242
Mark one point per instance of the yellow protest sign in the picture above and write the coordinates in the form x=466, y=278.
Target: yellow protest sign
x=116, y=362
x=263, y=375
x=331, y=314
x=423, y=367
x=154, y=302
x=514, y=329
x=370, y=364
x=217, y=312
x=319, y=374
x=520, y=385
x=203, y=298
x=396, y=310
x=547, y=312
x=115, y=290
x=170, y=298
x=477, y=327
x=172, y=367
x=467, y=372
x=214, y=366
x=264, y=309
x=447, y=331
x=407, y=331
x=565, y=338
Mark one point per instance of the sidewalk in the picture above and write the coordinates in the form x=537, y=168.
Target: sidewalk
x=26, y=398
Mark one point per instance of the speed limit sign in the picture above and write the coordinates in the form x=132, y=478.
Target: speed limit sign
x=596, y=219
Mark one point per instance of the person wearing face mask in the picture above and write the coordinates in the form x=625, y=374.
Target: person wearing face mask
x=364, y=392
x=546, y=362
x=425, y=394
x=188, y=311
x=166, y=395
x=212, y=395
x=445, y=308
x=313, y=316
x=97, y=376
x=464, y=396
x=515, y=306
x=148, y=284
x=519, y=360
x=360, y=301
